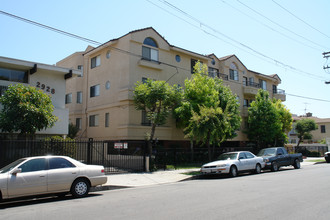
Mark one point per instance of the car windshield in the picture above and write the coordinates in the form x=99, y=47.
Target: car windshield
x=267, y=152
x=230, y=156
x=11, y=166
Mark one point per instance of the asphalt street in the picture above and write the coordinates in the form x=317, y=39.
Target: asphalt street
x=287, y=194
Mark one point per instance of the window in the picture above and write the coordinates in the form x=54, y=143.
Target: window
x=192, y=65
x=178, y=58
x=33, y=165
x=213, y=72
x=233, y=72
x=58, y=163
x=107, y=85
x=274, y=89
x=95, y=91
x=78, y=123
x=68, y=98
x=145, y=119
x=245, y=81
x=108, y=54
x=263, y=84
x=280, y=151
x=95, y=61
x=81, y=67
x=93, y=120
x=242, y=156
x=13, y=75
x=251, y=81
x=246, y=103
x=79, y=97
x=106, y=123
x=323, y=129
x=150, y=51
x=249, y=155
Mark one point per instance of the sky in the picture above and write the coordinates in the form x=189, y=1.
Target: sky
x=280, y=37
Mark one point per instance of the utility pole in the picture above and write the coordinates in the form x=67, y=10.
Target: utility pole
x=326, y=55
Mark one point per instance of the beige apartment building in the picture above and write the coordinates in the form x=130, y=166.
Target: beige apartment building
x=100, y=101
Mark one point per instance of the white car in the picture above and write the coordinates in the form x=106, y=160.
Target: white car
x=234, y=162
x=49, y=175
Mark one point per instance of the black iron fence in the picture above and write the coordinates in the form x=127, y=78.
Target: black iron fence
x=189, y=157
x=116, y=157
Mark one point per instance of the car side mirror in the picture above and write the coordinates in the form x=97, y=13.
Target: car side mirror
x=16, y=171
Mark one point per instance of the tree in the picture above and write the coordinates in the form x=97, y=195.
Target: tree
x=304, y=127
x=263, y=119
x=156, y=98
x=209, y=112
x=73, y=131
x=26, y=110
x=285, y=119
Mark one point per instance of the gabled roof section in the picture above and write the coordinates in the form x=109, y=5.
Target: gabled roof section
x=230, y=56
x=131, y=32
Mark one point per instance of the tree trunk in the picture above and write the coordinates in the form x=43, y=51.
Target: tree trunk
x=152, y=134
x=192, y=150
x=209, y=147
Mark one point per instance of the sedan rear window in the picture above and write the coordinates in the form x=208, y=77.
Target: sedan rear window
x=58, y=163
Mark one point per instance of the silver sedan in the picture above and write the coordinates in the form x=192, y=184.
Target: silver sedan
x=234, y=162
x=49, y=175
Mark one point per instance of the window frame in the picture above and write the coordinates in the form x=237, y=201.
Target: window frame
x=79, y=97
x=95, y=61
x=322, y=128
x=93, y=120
x=79, y=123
x=68, y=98
x=94, y=91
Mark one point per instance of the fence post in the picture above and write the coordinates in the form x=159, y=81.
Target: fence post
x=89, y=151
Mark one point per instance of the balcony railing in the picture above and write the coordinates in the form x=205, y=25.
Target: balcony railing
x=252, y=84
x=223, y=76
x=279, y=91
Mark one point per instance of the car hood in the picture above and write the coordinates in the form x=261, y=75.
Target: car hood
x=218, y=162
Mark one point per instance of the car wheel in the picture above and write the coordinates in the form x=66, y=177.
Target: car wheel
x=328, y=160
x=80, y=188
x=233, y=171
x=296, y=164
x=258, y=169
x=274, y=167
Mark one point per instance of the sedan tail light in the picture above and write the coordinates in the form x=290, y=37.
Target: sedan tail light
x=102, y=171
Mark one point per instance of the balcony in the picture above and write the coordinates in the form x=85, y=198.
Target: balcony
x=223, y=76
x=279, y=94
x=251, y=88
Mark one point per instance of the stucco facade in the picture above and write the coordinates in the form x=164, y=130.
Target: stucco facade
x=111, y=71
x=50, y=79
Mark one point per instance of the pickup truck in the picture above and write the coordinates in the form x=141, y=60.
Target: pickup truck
x=277, y=157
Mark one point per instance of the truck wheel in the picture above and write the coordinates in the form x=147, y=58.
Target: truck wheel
x=258, y=169
x=274, y=167
x=233, y=171
x=296, y=164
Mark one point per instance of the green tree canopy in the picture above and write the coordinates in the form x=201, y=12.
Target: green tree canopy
x=304, y=127
x=264, y=121
x=26, y=110
x=285, y=119
x=209, y=112
x=156, y=98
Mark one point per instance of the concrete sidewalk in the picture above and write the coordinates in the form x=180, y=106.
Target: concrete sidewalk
x=163, y=177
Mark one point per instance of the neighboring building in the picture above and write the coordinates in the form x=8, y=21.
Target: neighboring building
x=322, y=133
x=51, y=79
x=102, y=105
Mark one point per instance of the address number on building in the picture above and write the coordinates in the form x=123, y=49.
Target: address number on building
x=45, y=87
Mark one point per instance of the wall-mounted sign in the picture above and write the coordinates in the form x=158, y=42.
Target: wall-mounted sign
x=121, y=145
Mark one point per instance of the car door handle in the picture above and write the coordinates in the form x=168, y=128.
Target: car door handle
x=74, y=173
x=42, y=176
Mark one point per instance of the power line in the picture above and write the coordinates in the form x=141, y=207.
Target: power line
x=119, y=50
x=51, y=28
x=202, y=24
x=301, y=19
x=304, y=97
x=269, y=27
x=287, y=29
